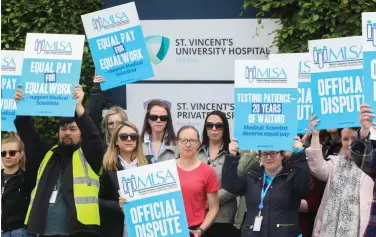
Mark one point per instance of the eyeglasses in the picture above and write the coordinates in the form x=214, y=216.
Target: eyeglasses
x=272, y=154
x=192, y=142
x=154, y=117
x=210, y=126
x=125, y=136
x=11, y=153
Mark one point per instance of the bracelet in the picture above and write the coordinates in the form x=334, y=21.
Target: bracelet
x=202, y=231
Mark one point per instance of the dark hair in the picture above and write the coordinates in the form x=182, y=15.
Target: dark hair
x=352, y=128
x=226, y=130
x=169, y=127
x=188, y=127
x=64, y=121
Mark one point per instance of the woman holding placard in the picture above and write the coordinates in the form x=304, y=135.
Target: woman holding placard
x=213, y=150
x=273, y=191
x=124, y=152
x=346, y=204
x=158, y=133
x=198, y=181
x=114, y=115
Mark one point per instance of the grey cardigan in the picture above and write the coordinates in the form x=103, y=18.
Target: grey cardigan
x=227, y=201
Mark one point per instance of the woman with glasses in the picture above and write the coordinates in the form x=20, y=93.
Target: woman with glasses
x=158, y=133
x=346, y=203
x=198, y=181
x=15, y=187
x=272, y=191
x=124, y=152
x=214, y=147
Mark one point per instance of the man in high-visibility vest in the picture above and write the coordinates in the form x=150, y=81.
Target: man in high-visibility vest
x=64, y=201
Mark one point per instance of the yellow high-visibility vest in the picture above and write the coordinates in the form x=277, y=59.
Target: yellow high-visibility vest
x=85, y=188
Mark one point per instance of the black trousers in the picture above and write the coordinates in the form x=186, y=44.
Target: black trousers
x=222, y=230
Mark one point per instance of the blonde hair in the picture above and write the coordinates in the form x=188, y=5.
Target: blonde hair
x=113, y=110
x=110, y=159
x=13, y=138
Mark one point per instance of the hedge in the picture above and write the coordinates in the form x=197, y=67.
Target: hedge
x=304, y=20
x=47, y=16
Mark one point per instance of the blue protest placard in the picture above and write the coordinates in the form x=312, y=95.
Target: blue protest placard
x=117, y=45
x=337, y=81
x=369, y=57
x=305, y=107
x=11, y=68
x=50, y=72
x=155, y=204
x=266, y=104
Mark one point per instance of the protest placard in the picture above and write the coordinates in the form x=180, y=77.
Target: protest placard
x=266, y=104
x=117, y=45
x=11, y=68
x=369, y=57
x=305, y=107
x=50, y=72
x=337, y=81
x=155, y=204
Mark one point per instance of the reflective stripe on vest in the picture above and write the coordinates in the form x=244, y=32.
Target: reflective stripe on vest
x=85, y=188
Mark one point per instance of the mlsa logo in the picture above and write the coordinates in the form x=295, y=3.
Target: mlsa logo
x=252, y=73
x=157, y=48
x=324, y=55
x=8, y=64
x=52, y=47
x=153, y=180
x=111, y=21
x=371, y=32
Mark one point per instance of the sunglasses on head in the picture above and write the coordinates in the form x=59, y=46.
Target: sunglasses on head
x=154, y=117
x=210, y=126
x=126, y=136
x=11, y=153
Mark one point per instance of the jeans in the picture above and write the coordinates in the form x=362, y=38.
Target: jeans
x=15, y=233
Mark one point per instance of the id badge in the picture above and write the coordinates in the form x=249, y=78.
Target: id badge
x=53, y=196
x=257, y=224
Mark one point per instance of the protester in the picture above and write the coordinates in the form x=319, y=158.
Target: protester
x=345, y=207
x=365, y=158
x=64, y=201
x=272, y=191
x=15, y=187
x=124, y=152
x=158, y=133
x=214, y=147
x=198, y=181
x=114, y=115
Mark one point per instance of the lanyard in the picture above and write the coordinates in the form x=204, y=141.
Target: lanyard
x=263, y=192
x=151, y=151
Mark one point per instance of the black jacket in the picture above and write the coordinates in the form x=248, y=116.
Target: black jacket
x=15, y=199
x=36, y=148
x=112, y=218
x=282, y=201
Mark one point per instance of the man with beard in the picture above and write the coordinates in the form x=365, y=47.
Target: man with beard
x=64, y=201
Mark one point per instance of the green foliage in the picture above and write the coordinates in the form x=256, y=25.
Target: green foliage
x=47, y=16
x=304, y=20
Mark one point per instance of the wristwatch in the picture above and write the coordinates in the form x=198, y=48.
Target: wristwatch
x=202, y=231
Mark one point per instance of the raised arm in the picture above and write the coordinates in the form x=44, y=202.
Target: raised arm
x=319, y=167
x=36, y=146
x=231, y=181
x=91, y=141
x=96, y=102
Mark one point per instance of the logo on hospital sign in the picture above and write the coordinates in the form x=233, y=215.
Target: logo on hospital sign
x=157, y=48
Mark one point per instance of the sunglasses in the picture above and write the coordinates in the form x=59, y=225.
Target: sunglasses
x=126, y=136
x=154, y=117
x=11, y=153
x=210, y=126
